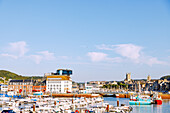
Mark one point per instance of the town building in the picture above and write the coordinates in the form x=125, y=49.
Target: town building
x=59, y=82
x=128, y=76
x=75, y=87
x=39, y=86
x=148, y=84
x=3, y=88
x=149, y=78
x=21, y=86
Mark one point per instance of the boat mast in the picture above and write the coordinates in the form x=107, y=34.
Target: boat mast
x=139, y=88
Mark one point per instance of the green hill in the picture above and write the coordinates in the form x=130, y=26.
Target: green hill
x=10, y=75
x=165, y=77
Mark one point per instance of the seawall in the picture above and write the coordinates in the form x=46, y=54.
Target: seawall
x=163, y=96
x=77, y=95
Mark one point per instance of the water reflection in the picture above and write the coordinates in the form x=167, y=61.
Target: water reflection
x=164, y=108
x=157, y=108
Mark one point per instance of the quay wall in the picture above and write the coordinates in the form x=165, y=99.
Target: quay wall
x=77, y=95
x=124, y=95
x=163, y=96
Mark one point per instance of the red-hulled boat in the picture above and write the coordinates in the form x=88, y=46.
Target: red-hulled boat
x=117, y=95
x=158, y=100
x=133, y=98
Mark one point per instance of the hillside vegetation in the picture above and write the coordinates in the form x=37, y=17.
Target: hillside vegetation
x=10, y=75
x=165, y=77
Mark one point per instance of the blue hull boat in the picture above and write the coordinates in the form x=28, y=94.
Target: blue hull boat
x=139, y=103
x=141, y=100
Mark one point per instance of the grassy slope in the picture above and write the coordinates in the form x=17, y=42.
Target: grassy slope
x=10, y=75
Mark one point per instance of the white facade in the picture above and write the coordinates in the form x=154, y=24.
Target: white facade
x=88, y=88
x=91, y=88
x=57, y=85
x=4, y=87
x=12, y=93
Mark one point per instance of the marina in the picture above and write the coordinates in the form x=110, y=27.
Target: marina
x=153, y=108
x=83, y=103
x=57, y=93
x=62, y=105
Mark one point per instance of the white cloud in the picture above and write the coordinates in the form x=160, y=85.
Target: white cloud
x=8, y=55
x=154, y=60
x=149, y=60
x=115, y=59
x=131, y=52
x=36, y=58
x=99, y=56
x=126, y=50
x=105, y=47
x=15, y=50
x=63, y=57
x=43, y=55
x=47, y=55
x=18, y=48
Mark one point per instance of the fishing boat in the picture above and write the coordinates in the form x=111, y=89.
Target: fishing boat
x=38, y=93
x=139, y=103
x=117, y=95
x=141, y=100
x=157, y=99
x=133, y=97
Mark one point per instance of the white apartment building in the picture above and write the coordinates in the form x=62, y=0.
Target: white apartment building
x=59, y=82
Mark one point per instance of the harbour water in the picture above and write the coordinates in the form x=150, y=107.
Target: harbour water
x=164, y=108
x=153, y=108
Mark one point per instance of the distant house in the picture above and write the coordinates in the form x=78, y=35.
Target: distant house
x=21, y=86
x=3, y=88
x=39, y=86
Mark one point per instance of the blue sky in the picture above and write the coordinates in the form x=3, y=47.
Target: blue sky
x=98, y=40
